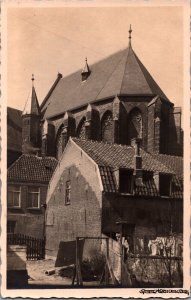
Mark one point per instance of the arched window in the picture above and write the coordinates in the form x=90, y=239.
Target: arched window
x=107, y=127
x=135, y=124
x=81, y=131
x=59, y=142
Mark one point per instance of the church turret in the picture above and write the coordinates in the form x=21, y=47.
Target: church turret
x=86, y=71
x=31, y=123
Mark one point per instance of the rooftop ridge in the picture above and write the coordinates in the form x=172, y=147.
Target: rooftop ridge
x=101, y=142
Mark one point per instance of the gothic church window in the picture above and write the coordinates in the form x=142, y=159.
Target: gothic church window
x=59, y=149
x=107, y=127
x=81, y=132
x=135, y=124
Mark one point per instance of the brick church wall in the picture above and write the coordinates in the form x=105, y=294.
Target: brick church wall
x=161, y=128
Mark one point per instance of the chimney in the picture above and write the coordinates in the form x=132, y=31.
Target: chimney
x=138, y=171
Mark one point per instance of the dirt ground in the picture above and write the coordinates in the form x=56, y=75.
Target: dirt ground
x=38, y=279
x=36, y=272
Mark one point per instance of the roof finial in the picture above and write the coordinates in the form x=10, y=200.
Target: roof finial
x=130, y=31
x=32, y=79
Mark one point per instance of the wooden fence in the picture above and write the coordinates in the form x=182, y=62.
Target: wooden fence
x=35, y=247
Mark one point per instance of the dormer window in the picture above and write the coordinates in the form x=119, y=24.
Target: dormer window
x=86, y=71
x=126, y=181
x=165, y=185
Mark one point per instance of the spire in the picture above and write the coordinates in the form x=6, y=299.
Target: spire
x=32, y=80
x=32, y=106
x=130, y=31
x=86, y=71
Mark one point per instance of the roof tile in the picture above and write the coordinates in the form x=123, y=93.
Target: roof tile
x=110, y=157
x=32, y=168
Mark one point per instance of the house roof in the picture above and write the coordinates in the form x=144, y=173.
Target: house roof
x=14, y=129
x=121, y=156
x=32, y=106
x=111, y=157
x=31, y=168
x=119, y=74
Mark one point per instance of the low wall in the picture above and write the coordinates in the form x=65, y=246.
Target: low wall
x=17, y=276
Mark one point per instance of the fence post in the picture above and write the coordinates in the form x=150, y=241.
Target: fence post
x=78, y=267
x=77, y=278
x=106, y=265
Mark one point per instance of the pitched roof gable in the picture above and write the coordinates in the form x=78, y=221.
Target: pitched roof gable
x=121, y=73
x=31, y=168
x=110, y=157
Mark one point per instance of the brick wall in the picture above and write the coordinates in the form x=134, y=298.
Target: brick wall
x=149, y=216
x=31, y=131
x=28, y=221
x=175, y=132
x=82, y=216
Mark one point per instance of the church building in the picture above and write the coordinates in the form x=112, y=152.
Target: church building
x=119, y=143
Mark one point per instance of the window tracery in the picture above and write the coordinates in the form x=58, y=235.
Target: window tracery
x=106, y=127
x=81, y=132
x=135, y=124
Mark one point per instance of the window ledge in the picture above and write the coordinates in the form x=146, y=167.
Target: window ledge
x=14, y=207
x=126, y=194
x=33, y=208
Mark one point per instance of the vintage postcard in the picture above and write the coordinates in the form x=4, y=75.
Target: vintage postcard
x=95, y=146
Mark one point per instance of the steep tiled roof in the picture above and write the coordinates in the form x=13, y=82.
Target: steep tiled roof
x=32, y=106
x=14, y=129
x=121, y=156
x=31, y=168
x=173, y=163
x=111, y=157
x=119, y=74
x=108, y=180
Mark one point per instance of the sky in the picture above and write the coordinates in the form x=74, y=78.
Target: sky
x=45, y=41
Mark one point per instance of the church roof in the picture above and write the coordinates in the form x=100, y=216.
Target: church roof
x=31, y=168
x=32, y=106
x=110, y=157
x=119, y=74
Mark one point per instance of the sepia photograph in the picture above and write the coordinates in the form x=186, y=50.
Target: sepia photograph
x=95, y=136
